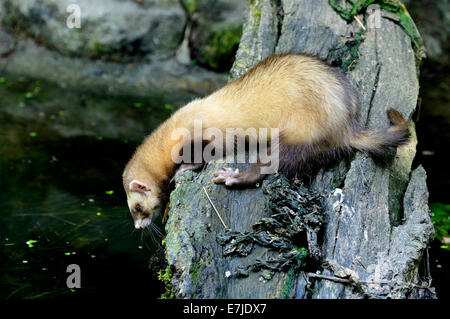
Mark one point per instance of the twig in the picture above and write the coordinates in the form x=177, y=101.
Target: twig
x=347, y=281
x=336, y=279
x=215, y=209
x=360, y=23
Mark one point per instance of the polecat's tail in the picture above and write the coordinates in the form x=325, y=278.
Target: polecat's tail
x=379, y=142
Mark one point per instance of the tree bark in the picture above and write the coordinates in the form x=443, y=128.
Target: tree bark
x=374, y=218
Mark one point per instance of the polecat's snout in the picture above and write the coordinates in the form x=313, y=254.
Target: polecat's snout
x=141, y=223
x=143, y=219
x=143, y=202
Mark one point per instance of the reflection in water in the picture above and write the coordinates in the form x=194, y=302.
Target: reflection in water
x=61, y=203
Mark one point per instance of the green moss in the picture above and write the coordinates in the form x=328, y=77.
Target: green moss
x=96, y=47
x=168, y=106
x=441, y=221
x=352, y=48
x=174, y=243
x=195, y=272
x=166, y=277
x=302, y=253
x=99, y=49
x=393, y=6
x=190, y=5
x=257, y=15
x=257, y=18
x=219, y=50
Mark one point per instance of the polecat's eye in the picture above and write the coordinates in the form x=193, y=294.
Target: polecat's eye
x=138, y=208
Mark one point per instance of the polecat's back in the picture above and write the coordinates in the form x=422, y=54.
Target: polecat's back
x=299, y=94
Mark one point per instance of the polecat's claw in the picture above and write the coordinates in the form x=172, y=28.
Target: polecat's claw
x=186, y=167
x=227, y=176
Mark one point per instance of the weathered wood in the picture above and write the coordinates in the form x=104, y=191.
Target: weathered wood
x=377, y=225
x=192, y=247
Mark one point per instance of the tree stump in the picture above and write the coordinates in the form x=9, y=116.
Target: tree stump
x=374, y=220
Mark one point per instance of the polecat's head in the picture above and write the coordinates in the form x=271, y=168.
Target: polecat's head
x=143, y=201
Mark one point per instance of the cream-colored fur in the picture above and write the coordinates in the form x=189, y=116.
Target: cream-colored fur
x=296, y=93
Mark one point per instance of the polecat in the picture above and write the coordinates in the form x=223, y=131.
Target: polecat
x=313, y=104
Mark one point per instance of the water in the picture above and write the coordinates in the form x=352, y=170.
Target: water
x=57, y=191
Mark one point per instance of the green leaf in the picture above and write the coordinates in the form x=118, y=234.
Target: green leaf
x=441, y=220
x=31, y=242
x=190, y=5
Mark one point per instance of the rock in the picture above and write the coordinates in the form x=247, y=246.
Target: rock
x=156, y=28
x=167, y=80
x=123, y=55
x=216, y=31
x=109, y=91
x=7, y=44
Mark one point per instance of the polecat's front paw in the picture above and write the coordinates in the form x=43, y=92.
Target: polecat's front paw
x=186, y=167
x=227, y=176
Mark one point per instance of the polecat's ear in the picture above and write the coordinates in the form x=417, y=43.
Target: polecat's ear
x=138, y=186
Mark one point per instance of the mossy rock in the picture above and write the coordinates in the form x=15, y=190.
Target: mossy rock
x=106, y=32
x=216, y=32
x=218, y=48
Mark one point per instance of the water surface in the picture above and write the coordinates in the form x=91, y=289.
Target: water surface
x=61, y=203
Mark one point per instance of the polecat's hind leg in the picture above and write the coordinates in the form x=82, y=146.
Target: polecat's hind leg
x=231, y=177
x=254, y=173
